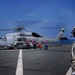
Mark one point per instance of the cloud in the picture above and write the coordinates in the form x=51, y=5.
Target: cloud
x=70, y=13
x=19, y=19
x=55, y=20
x=12, y=23
x=46, y=20
x=51, y=20
x=30, y=14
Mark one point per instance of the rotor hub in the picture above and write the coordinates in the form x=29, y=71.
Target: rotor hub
x=19, y=29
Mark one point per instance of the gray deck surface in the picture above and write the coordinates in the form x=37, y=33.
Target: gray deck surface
x=55, y=61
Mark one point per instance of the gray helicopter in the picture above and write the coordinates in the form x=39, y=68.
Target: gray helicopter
x=17, y=39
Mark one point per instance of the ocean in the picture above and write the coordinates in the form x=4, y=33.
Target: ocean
x=69, y=41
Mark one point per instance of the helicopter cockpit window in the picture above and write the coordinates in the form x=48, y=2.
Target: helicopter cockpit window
x=4, y=39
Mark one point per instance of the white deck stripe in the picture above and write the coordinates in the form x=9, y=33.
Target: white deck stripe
x=69, y=71
x=19, y=70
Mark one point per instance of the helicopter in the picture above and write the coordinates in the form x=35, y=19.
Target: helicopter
x=17, y=39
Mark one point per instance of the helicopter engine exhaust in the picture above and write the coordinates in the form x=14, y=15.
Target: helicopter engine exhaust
x=35, y=34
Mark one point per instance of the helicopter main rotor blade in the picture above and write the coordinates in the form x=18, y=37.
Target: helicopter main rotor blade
x=6, y=29
x=50, y=28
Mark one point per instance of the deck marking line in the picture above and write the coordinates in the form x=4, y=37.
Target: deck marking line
x=69, y=71
x=19, y=70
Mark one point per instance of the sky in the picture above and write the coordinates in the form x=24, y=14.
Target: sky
x=40, y=14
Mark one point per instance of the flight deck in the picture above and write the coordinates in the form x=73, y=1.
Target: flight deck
x=54, y=61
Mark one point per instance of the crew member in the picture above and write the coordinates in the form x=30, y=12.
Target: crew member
x=27, y=43
x=34, y=43
x=39, y=45
x=73, y=58
x=45, y=44
x=73, y=32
